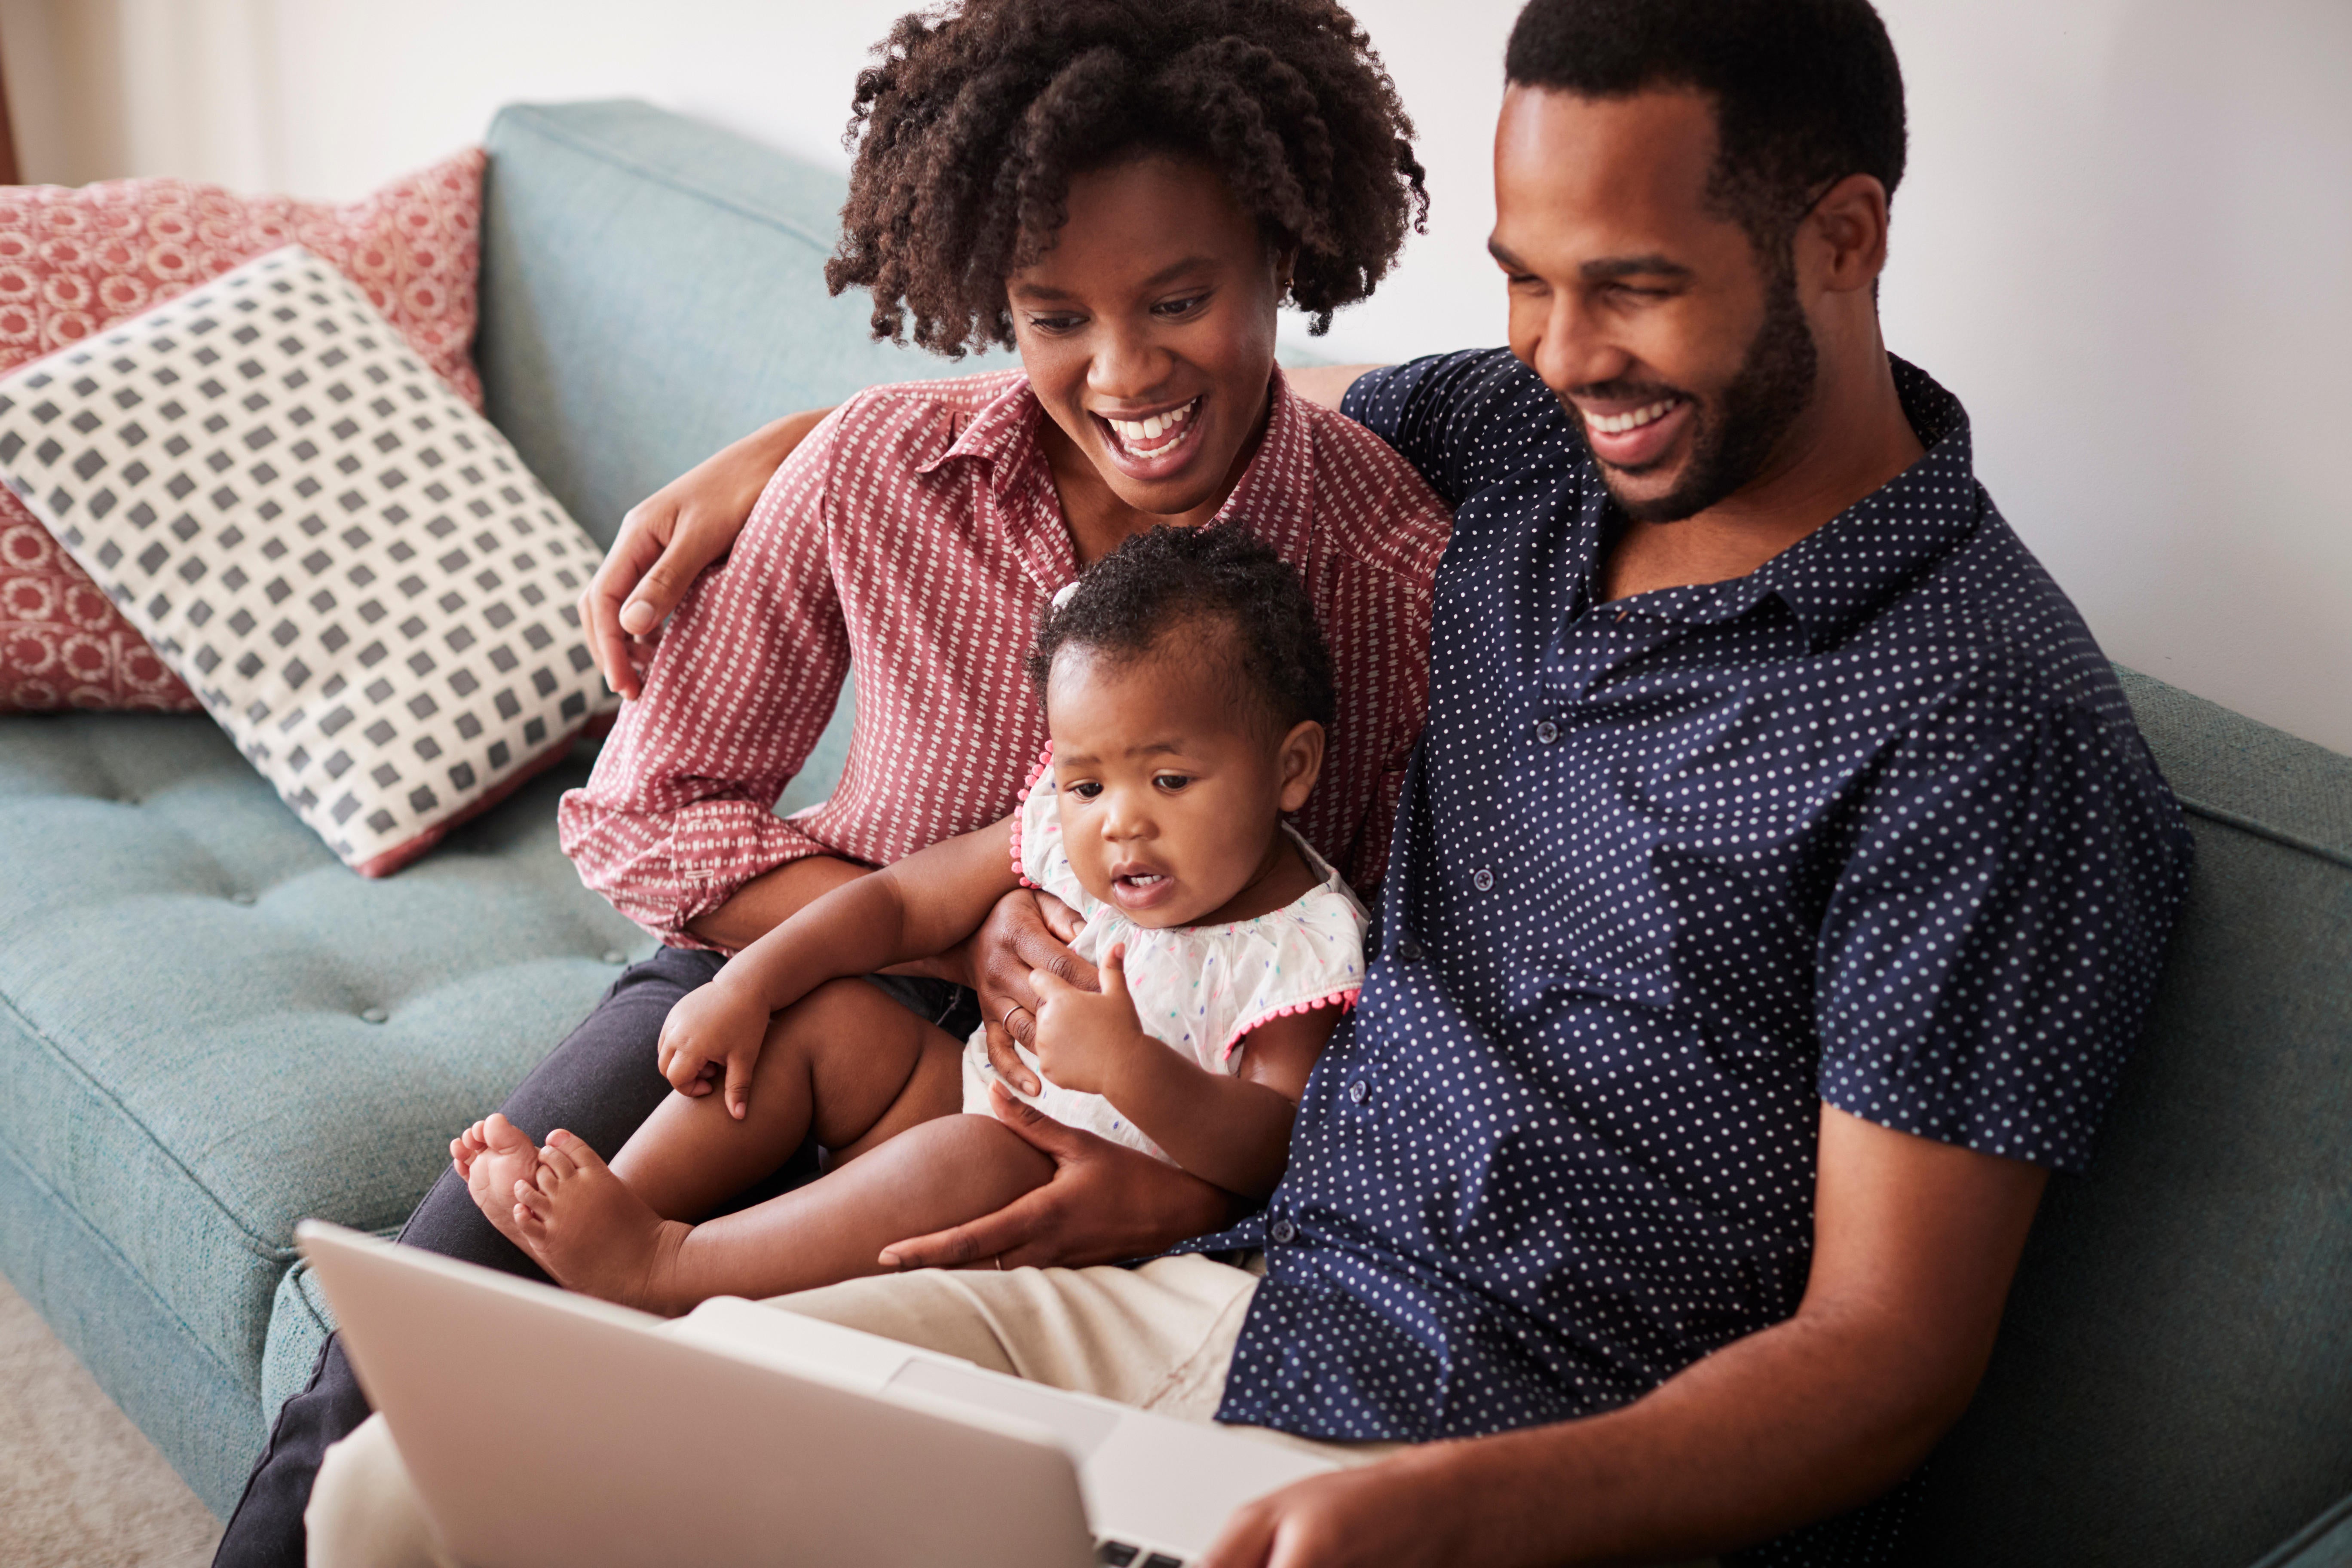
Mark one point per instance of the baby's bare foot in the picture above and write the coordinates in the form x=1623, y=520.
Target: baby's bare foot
x=588, y=1229
x=493, y=1155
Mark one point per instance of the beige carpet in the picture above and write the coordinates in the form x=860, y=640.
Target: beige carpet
x=79, y=1487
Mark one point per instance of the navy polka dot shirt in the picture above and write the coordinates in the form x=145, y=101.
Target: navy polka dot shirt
x=1872, y=825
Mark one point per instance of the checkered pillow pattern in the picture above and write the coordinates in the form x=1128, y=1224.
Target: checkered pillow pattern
x=74, y=261
x=349, y=566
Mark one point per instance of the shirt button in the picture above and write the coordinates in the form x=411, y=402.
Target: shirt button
x=1483, y=879
x=1284, y=1232
x=1407, y=951
x=1547, y=731
x=1359, y=1090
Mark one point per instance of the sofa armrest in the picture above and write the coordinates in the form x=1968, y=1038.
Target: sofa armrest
x=2324, y=1543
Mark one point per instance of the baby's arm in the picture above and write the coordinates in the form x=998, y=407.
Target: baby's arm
x=918, y=907
x=1233, y=1130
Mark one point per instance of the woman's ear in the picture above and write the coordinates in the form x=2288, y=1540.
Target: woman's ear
x=1301, y=762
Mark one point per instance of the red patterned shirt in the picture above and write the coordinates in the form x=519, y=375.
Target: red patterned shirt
x=915, y=536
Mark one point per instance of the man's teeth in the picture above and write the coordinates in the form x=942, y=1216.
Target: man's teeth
x=1133, y=431
x=1618, y=424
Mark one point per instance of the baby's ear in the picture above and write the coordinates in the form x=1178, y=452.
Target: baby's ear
x=1301, y=760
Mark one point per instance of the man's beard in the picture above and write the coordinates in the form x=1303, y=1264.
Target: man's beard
x=1735, y=438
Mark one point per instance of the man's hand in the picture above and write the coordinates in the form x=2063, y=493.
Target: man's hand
x=1085, y=1039
x=669, y=538
x=1395, y=1513
x=1027, y=931
x=714, y=1033
x=1105, y=1204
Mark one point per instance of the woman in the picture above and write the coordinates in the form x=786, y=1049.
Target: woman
x=1126, y=190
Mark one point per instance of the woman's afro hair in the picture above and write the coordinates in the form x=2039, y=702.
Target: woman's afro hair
x=968, y=130
x=1246, y=604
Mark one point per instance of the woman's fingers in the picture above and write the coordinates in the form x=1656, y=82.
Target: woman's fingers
x=1005, y=1060
x=1061, y=919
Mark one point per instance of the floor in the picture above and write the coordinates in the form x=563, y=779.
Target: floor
x=79, y=1487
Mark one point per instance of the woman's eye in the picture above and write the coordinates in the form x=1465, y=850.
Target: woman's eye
x=1057, y=323
x=1172, y=781
x=1179, y=307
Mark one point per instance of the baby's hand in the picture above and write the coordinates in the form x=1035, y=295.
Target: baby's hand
x=713, y=1035
x=1085, y=1038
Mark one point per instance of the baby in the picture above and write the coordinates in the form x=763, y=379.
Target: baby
x=1186, y=690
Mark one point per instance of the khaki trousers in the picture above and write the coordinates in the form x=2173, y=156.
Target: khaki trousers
x=1159, y=1338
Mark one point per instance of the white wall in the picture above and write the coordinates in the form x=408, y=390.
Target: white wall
x=2125, y=240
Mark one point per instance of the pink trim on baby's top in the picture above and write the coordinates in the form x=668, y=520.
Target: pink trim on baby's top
x=1344, y=999
x=1044, y=763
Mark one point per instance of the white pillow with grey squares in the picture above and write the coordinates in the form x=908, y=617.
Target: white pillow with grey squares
x=349, y=567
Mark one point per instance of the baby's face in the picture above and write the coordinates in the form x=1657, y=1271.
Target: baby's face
x=1169, y=797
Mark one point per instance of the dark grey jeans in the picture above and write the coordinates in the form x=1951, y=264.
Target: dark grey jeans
x=601, y=1084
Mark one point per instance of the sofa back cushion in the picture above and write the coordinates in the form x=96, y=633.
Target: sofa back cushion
x=2173, y=1382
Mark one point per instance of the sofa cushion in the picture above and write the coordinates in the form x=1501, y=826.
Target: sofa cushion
x=352, y=567
x=2173, y=1382
x=73, y=260
x=210, y=1029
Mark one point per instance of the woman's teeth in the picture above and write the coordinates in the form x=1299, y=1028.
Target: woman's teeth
x=1618, y=424
x=1138, y=434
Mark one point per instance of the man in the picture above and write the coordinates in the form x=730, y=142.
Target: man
x=1778, y=890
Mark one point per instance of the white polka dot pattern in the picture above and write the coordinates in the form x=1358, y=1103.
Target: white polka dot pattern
x=1872, y=825
x=912, y=540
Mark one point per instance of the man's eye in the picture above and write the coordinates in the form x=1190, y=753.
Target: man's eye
x=1172, y=781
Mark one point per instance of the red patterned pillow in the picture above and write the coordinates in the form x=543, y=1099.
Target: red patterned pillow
x=72, y=261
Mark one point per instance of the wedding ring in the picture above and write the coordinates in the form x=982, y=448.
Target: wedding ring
x=1007, y=1020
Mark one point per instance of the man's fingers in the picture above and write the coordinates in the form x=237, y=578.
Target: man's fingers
x=991, y=1235
x=1247, y=1539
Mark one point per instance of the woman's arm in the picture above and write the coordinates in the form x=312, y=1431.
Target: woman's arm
x=1232, y=1129
x=930, y=901
x=668, y=539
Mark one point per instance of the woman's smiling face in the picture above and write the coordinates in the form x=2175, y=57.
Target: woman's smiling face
x=1147, y=332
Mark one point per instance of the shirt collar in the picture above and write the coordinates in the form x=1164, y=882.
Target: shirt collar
x=1844, y=571
x=1275, y=499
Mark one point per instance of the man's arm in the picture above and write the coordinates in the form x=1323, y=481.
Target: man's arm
x=1326, y=383
x=1915, y=1246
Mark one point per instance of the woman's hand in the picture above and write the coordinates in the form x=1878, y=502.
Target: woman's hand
x=1026, y=932
x=713, y=1036
x=669, y=538
x=1105, y=1203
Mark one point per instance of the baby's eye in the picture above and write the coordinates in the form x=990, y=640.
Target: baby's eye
x=1086, y=790
x=1172, y=781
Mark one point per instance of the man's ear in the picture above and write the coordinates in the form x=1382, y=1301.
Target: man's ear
x=1301, y=762
x=1843, y=241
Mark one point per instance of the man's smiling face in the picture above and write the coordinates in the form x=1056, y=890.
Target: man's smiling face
x=1683, y=357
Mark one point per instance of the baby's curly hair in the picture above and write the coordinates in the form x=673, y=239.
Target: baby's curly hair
x=1245, y=604
x=967, y=131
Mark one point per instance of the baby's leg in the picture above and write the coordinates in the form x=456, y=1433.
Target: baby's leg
x=835, y=1063
x=594, y=1234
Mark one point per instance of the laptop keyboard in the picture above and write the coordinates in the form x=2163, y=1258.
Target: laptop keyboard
x=1126, y=1554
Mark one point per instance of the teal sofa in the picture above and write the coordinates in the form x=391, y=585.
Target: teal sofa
x=209, y=1029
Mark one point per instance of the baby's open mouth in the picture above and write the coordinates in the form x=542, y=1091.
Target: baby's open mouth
x=1142, y=879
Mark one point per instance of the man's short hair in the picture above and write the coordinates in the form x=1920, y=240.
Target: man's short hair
x=1806, y=91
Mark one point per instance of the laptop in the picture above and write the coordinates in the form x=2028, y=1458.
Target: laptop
x=540, y=1427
